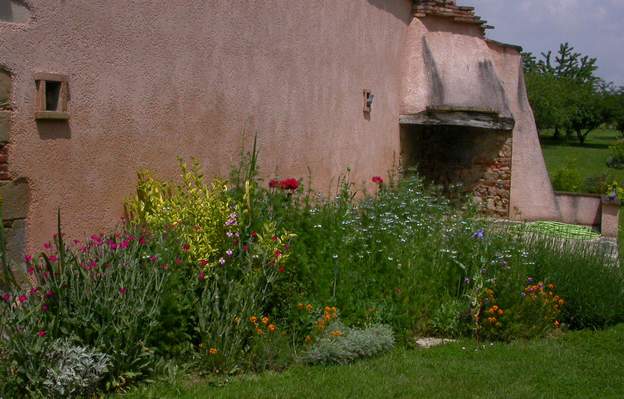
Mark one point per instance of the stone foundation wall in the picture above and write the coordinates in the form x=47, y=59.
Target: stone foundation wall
x=494, y=188
x=14, y=193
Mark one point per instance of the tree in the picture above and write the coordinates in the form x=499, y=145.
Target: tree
x=565, y=93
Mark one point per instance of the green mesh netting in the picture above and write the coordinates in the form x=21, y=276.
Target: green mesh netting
x=562, y=230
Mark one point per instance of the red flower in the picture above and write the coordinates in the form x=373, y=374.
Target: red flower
x=178, y=261
x=203, y=262
x=33, y=291
x=201, y=276
x=254, y=234
x=377, y=179
x=50, y=294
x=186, y=247
x=281, y=269
x=278, y=253
x=52, y=258
x=289, y=184
x=273, y=183
x=245, y=248
x=27, y=258
x=22, y=298
x=122, y=291
x=41, y=333
x=31, y=270
x=6, y=297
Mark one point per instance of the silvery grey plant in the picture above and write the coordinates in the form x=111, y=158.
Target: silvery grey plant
x=74, y=370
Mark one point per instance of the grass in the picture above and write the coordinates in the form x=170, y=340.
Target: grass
x=590, y=159
x=584, y=364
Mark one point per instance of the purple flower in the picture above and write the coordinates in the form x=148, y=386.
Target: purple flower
x=222, y=261
x=529, y=280
x=478, y=234
x=466, y=280
x=229, y=252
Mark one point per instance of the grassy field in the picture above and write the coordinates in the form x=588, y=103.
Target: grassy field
x=584, y=364
x=589, y=159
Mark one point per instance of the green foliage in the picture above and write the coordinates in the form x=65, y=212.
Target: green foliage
x=616, y=155
x=449, y=319
x=567, y=179
x=197, y=211
x=341, y=345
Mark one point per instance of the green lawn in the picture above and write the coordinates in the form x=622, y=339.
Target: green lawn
x=584, y=364
x=589, y=159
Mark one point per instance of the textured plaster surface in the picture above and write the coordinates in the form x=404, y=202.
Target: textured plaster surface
x=450, y=64
x=579, y=209
x=150, y=80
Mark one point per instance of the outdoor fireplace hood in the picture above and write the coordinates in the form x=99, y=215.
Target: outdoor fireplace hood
x=455, y=84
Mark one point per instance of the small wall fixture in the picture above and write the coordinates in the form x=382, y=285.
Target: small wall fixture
x=51, y=97
x=368, y=100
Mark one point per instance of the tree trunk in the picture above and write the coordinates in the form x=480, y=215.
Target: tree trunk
x=557, y=134
x=580, y=136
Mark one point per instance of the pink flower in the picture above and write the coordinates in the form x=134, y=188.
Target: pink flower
x=153, y=258
x=124, y=244
x=30, y=270
x=22, y=298
x=178, y=261
x=122, y=291
x=142, y=241
x=112, y=244
x=28, y=258
x=201, y=276
x=52, y=258
x=44, y=307
x=47, y=245
x=165, y=266
x=33, y=291
x=186, y=247
x=49, y=294
x=377, y=179
x=278, y=253
x=41, y=333
x=6, y=297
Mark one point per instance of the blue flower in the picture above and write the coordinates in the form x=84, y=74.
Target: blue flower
x=479, y=234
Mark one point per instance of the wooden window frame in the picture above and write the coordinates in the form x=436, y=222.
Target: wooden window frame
x=41, y=112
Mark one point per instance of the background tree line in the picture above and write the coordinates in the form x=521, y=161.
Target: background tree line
x=567, y=96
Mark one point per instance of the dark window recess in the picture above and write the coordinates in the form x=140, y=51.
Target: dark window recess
x=52, y=97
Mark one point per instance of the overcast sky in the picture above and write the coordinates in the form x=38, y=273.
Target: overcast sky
x=593, y=27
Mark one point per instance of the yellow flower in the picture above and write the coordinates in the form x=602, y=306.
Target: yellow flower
x=213, y=351
x=265, y=320
x=272, y=328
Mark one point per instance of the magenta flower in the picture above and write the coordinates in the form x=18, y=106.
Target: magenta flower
x=112, y=244
x=178, y=261
x=41, y=333
x=201, y=276
x=377, y=180
x=28, y=258
x=30, y=270
x=47, y=245
x=52, y=258
x=22, y=298
x=33, y=291
x=153, y=258
x=122, y=291
x=49, y=294
x=6, y=297
x=142, y=241
x=44, y=307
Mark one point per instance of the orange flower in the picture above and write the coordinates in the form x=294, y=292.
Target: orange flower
x=327, y=309
x=557, y=324
x=253, y=319
x=308, y=339
x=300, y=306
x=309, y=308
x=501, y=312
x=259, y=331
x=265, y=320
x=213, y=351
x=336, y=333
x=561, y=302
x=327, y=316
x=272, y=328
x=495, y=308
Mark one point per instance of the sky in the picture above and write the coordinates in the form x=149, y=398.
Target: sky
x=592, y=27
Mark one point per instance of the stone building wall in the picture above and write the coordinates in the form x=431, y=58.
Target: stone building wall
x=493, y=191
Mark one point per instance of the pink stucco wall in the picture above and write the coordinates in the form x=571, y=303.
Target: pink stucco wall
x=451, y=64
x=150, y=80
x=585, y=209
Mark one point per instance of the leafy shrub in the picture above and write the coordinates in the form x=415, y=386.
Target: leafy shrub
x=616, y=155
x=449, y=319
x=342, y=345
x=74, y=370
x=567, y=178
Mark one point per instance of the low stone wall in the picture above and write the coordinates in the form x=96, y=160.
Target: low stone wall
x=575, y=208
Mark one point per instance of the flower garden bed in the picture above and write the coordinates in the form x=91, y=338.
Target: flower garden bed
x=228, y=277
